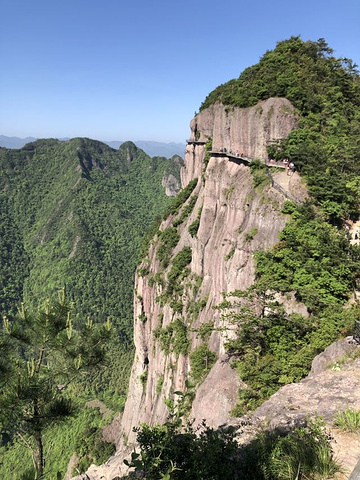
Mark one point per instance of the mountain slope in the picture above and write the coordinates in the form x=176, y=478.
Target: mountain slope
x=153, y=149
x=77, y=212
x=237, y=276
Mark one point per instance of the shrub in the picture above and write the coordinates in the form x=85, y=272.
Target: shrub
x=194, y=226
x=249, y=236
x=201, y=361
x=180, y=199
x=173, y=338
x=159, y=384
x=169, y=238
x=303, y=453
x=186, y=211
x=178, y=271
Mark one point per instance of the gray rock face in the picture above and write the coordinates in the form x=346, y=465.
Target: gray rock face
x=235, y=221
x=332, y=387
x=217, y=395
x=171, y=185
x=247, y=130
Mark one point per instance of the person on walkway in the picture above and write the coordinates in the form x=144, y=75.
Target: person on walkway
x=356, y=235
x=290, y=168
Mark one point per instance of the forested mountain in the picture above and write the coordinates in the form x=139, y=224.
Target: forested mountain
x=249, y=278
x=326, y=93
x=153, y=149
x=73, y=214
x=231, y=255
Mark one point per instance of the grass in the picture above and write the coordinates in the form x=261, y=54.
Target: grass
x=348, y=420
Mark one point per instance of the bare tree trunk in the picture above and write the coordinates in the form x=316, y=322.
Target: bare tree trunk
x=39, y=448
x=39, y=456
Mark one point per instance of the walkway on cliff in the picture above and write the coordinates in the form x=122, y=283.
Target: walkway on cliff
x=282, y=182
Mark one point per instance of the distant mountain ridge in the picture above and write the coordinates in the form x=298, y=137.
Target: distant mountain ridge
x=153, y=149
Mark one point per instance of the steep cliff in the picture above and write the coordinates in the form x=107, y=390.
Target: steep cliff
x=203, y=248
x=235, y=220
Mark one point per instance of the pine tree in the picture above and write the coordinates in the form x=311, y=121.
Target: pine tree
x=44, y=353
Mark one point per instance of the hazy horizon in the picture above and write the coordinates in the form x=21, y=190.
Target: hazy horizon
x=138, y=70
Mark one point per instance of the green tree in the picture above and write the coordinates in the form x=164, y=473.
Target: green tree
x=46, y=353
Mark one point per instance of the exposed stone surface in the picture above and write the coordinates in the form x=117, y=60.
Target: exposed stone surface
x=248, y=130
x=217, y=395
x=324, y=393
x=235, y=221
x=292, y=184
x=330, y=355
x=171, y=185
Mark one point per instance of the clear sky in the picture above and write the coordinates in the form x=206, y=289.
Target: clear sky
x=139, y=69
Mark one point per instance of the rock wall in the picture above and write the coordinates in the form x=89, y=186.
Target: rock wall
x=235, y=221
x=246, y=130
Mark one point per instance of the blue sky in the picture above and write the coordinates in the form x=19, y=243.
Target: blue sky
x=138, y=70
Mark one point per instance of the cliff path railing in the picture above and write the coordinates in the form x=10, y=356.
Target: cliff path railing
x=195, y=142
x=245, y=160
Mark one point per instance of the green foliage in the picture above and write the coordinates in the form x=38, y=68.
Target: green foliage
x=258, y=171
x=178, y=271
x=194, y=307
x=75, y=213
x=348, y=420
x=159, y=384
x=207, y=156
x=194, y=226
x=229, y=255
x=186, y=211
x=67, y=210
x=200, y=454
x=169, y=238
x=312, y=258
x=174, y=338
x=249, y=236
x=179, y=451
x=201, y=361
x=229, y=192
x=272, y=348
x=14, y=259
x=326, y=93
x=81, y=435
x=205, y=330
x=47, y=353
x=180, y=199
x=143, y=378
x=298, y=455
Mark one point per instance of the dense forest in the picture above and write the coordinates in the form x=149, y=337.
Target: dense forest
x=73, y=215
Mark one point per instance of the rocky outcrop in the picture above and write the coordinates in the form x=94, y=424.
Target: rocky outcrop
x=246, y=130
x=171, y=185
x=332, y=387
x=228, y=222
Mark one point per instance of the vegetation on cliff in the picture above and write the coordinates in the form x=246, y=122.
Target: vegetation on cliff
x=313, y=258
x=73, y=214
x=175, y=451
x=326, y=93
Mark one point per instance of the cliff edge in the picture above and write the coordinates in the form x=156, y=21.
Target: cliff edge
x=203, y=249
